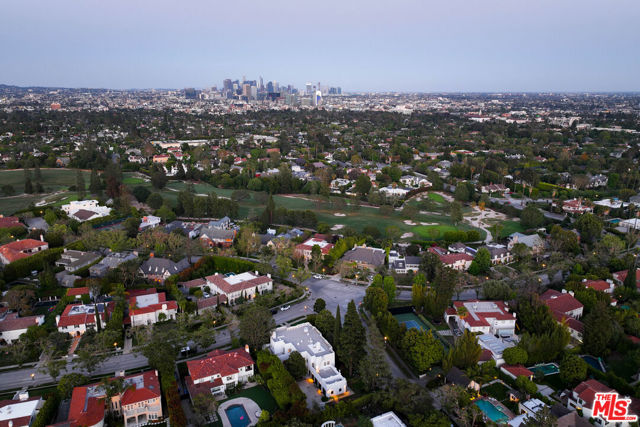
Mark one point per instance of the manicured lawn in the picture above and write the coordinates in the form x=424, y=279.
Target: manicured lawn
x=325, y=210
x=437, y=197
x=260, y=395
x=496, y=390
x=131, y=180
x=52, y=180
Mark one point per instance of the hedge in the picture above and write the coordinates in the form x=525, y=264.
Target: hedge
x=281, y=384
x=48, y=411
x=23, y=267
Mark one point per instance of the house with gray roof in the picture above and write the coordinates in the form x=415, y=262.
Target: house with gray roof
x=365, y=257
x=73, y=260
x=37, y=223
x=159, y=269
x=111, y=261
x=534, y=242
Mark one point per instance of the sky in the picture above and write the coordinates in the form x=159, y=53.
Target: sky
x=359, y=45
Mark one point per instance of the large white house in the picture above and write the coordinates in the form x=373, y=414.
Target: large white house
x=149, y=307
x=247, y=285
x=316, y=351
x=84, y=210
x=487, y=317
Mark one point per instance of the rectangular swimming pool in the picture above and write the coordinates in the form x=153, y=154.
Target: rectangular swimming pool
x=491, y=411
x=238, y=416
x=546, y=369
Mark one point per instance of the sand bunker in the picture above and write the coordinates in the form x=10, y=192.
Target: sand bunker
x=339, y=214
x=406, y=235
x=337, y=227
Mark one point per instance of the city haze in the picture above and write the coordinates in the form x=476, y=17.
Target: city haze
x=427, y=46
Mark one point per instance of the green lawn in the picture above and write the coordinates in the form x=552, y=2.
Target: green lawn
x=325, y=210
x=436, y=197
x=260, y=395
x=52, y=180
x=496, y=390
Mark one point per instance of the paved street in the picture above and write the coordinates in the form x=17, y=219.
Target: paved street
x=333, y=292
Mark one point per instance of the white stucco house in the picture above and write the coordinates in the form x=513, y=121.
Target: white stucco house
x=316, y=351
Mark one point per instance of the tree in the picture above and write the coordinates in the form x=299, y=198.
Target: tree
x=497, y=290
x=456, y=213
x=363, y=184
x=422, y=349
x=296, y=365
x=319, y=305
x=94, y=182
x=204, y=404
x=325, y=322
x=256, y=325
x=154, y=201
x=351, y=338
x=131, y=226
x=462, y=193
x=248, y=241
x=19, y=299
x=630, y=281
x=481, y=263
x=531, y=217
x=573, y=369
x=80, y=184
x=375, y=300
x=316, y=257
x=564, y=240
x=600, y=328
x=8, y=190
x=589, y=226
x=525, y=385
x=141, y=193
x=373, y=368
x=515, y=356
x=269, y=211
x=68, y=382
x=466, y=352
x=542, y=418
x=417, y=290
x=158, y=177
x=389, y=287
x=28, y=185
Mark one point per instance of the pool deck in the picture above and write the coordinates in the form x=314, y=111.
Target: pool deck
x=250, y=406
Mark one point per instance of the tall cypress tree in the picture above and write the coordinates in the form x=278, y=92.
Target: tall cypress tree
x=352, y=338
x=337, y=328
x=630, y=280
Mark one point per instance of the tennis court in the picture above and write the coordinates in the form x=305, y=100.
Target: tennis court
x=410, y=320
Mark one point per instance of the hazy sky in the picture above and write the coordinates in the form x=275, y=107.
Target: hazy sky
x=360, y=45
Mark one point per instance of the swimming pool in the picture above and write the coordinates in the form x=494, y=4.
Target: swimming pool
x=237, y=415
x=491, y=411
x=546, y=369
x=594, y=362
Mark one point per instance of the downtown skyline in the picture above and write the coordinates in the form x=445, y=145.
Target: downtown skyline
x=359, y=46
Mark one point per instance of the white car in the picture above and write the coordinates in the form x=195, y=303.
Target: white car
x=206, y=294
x=317, y=276
x=285, y=307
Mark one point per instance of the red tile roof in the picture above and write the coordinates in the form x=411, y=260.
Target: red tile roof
x=78, y=291
x=450, y=259
x=16, y=250
x=10, y=221
x=587, y=390
x=14, y=323
x=85, y=410
x=162, y=300
x=150, y=389
x=598, y=285
x=226, y=287
x=211, y=301
x=517, y=370
x=622, y=275
x=67, y=319
x=561, y=302
x=219, y=362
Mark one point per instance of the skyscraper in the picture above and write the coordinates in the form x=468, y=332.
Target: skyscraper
x=309, y=88
x=261, y=84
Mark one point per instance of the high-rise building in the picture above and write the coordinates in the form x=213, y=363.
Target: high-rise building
x=308, y=89
x=261, y=85
x=227, y=84
x=270, y=87
x=246, y=90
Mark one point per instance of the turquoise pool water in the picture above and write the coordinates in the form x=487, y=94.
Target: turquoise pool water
x=546, y=369
x=490, y=410
x=237, y=416
x=594, y=362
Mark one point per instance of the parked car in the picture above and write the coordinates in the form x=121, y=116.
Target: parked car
x=285, y=307
x=317, y=276
x=206, y=294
